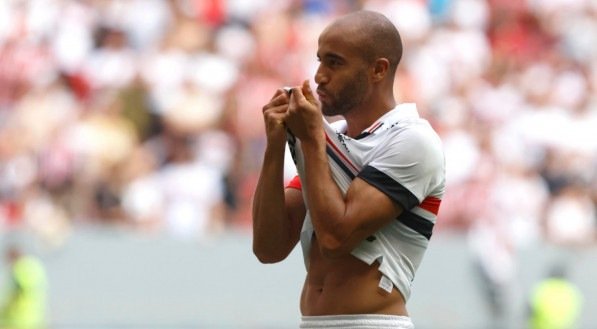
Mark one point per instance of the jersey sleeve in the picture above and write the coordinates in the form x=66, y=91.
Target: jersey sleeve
x=407, y=167
x=295, y=183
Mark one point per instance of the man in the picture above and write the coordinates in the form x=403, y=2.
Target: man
x=369, y=188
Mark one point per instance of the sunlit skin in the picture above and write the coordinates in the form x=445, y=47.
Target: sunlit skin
x=339, y=101
x=360, y=91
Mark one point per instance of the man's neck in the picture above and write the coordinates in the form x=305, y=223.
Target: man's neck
x=364, y=116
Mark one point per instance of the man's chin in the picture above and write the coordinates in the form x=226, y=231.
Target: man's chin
x=326, y=109
x=329, y=111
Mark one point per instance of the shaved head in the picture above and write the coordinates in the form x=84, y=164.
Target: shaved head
x=358, y=55
x=372, y=34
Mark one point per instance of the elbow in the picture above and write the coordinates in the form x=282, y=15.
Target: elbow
x=331, y=247
x=268, y=257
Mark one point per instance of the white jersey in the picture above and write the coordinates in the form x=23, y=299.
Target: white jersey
x=402, y=156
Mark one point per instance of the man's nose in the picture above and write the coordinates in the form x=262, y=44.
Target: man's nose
x=321, y=77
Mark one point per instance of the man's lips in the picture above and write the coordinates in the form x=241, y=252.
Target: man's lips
x=322, y=94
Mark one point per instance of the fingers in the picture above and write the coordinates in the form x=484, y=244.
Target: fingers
x=302, y=94
x=274, y=112
x=308, y=92
x=290, y=98
x=278, y=92
x=280, y=97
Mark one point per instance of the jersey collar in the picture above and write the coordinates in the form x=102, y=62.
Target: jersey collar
x=401, y=111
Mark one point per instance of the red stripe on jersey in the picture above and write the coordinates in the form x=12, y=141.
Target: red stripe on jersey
x=431, y=204
x=374, y=127
x=295, y=183
x=338, y=152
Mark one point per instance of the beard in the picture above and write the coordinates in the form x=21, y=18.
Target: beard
x=348, y=97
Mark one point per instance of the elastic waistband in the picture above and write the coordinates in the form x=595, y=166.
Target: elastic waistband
x=357, y=321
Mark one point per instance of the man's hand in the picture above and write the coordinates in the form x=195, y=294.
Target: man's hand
x=274, y=115
x=304, y=115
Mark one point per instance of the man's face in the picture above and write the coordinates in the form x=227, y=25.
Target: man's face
x=342, y=76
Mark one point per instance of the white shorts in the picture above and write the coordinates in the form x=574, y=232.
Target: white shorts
x=357, y=321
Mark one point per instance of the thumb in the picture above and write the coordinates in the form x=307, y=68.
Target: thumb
x=306, y=89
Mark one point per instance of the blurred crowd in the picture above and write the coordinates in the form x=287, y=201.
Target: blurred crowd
x=146, y=114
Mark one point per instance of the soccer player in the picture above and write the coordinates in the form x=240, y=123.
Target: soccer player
x=368, y=188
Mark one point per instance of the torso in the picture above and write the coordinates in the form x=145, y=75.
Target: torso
x=346, y=285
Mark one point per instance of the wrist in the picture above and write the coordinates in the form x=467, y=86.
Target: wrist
x=276, y=144
x=314, y=142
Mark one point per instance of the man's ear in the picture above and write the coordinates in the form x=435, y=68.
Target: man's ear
x=380, y=69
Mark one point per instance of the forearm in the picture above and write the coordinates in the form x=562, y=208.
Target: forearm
x=327, y=204
x=271, y=226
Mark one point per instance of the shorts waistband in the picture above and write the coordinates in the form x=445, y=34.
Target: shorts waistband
x=357, y=321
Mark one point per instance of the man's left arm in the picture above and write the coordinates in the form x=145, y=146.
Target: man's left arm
x=340, y=221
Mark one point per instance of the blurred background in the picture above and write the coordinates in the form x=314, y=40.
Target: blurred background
x=131, y=138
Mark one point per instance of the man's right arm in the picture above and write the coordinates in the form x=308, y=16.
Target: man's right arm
x=278, y=214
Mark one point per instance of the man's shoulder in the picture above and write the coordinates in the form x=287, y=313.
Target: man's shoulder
x=404, y=120
x=410, y=137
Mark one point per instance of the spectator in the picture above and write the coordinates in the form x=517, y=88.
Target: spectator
x=24, y=307
x=555, y=302
x=87, y=88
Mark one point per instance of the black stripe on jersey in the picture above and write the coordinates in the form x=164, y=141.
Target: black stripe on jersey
x=363, y=135
x=416, y=223
x=367, y=133
x=339, y=162
x=390, y=187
